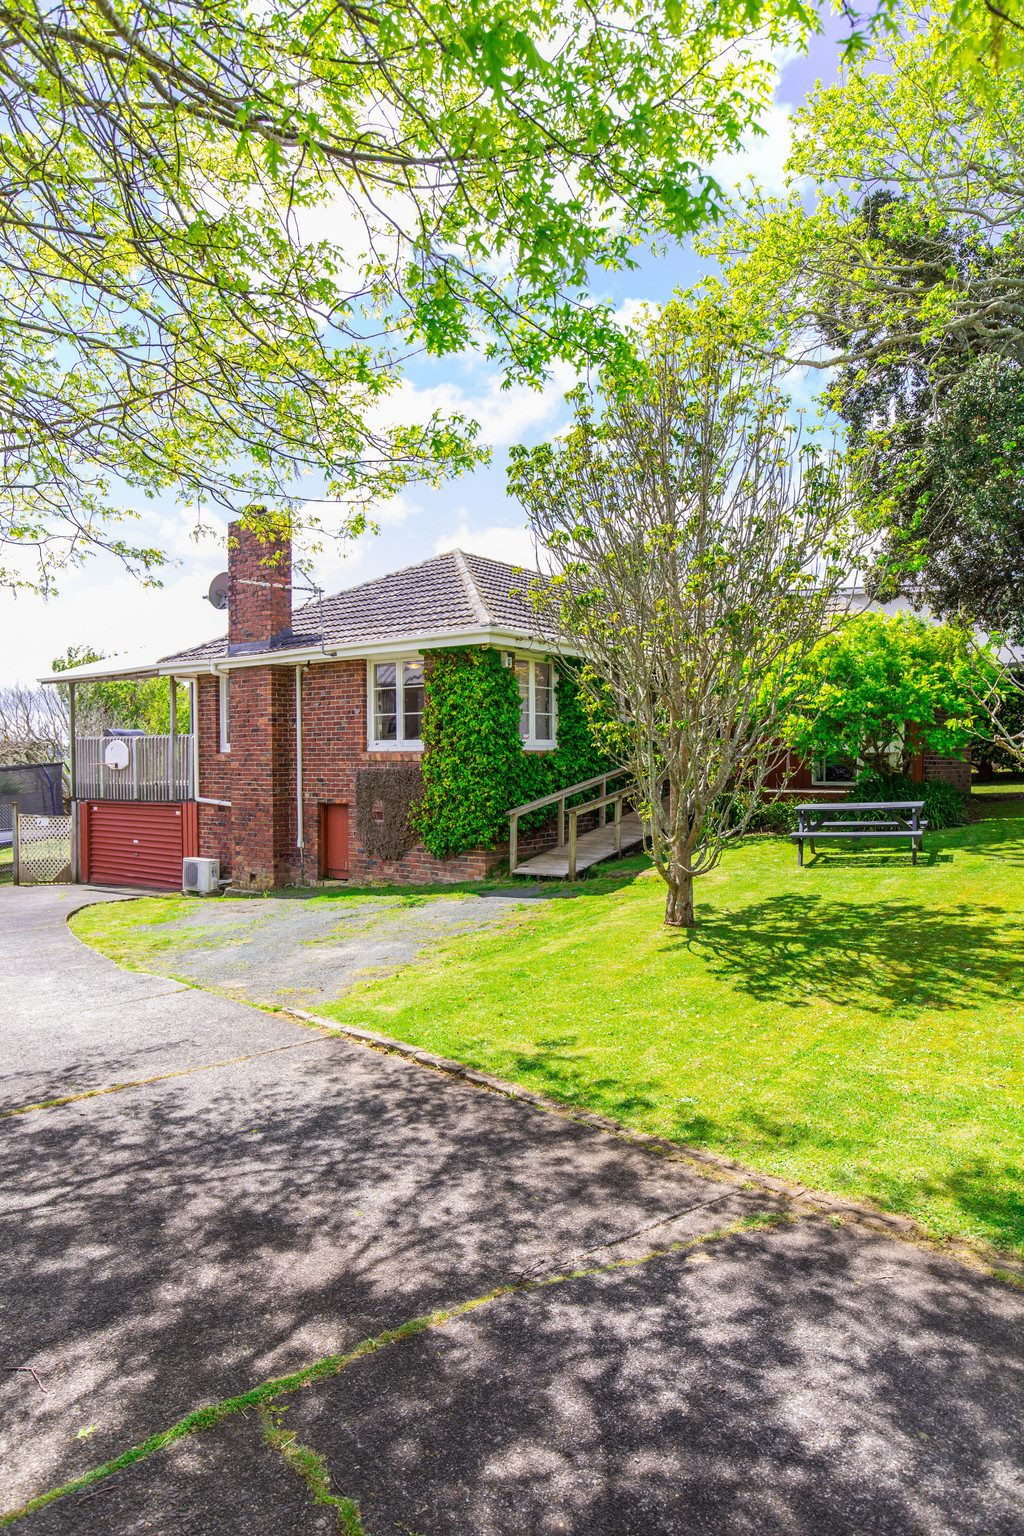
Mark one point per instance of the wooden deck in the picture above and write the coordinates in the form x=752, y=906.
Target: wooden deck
x=591, y=848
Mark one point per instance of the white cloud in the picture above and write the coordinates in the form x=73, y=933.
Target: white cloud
x=504, y=415
x=514, y=545
x=104, y=607
x=763, y=156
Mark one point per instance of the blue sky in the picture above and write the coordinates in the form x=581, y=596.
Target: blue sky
x=101, y=605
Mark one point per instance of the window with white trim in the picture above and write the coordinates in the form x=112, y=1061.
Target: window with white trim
x=224, y=711
x=845, y=770
x=537, y=723
x=396, y=704
x=834, y=770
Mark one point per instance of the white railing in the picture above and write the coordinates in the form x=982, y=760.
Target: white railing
x=158, y=768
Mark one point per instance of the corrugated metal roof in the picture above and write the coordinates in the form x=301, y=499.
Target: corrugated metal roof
x=448, y=594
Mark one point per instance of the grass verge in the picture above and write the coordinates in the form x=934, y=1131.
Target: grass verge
x=855, y=1025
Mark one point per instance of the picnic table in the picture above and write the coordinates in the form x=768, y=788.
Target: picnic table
x=859, y=819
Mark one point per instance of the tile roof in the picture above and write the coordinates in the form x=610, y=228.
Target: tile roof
x=450, y=593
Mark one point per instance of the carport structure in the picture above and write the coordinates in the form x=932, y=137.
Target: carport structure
x=133, y=795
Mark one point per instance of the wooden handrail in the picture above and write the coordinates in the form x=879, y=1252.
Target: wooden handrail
x=563, y=794
x=616, y=798
x=559, y=797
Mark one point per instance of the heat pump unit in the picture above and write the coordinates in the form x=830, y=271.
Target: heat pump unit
x=200, y=877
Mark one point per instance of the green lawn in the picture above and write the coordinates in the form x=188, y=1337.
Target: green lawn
x=6, y=864
x=856, y=1025
x=1002, y=784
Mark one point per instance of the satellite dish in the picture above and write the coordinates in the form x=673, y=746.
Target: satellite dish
x=116, y=753
x=218, y=593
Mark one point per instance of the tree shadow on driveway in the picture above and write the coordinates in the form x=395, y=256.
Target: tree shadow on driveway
x=171, y=1245
x=799, y=1380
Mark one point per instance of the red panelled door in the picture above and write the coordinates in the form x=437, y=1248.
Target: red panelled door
x=334, y=842
x=135, y=842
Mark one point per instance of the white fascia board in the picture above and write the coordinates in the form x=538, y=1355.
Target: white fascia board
x=103, y=671
x=403, y=645
x=501, y=639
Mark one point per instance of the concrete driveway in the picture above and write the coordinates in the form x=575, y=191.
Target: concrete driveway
x=610, y=1341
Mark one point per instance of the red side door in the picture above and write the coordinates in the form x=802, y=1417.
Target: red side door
x=334, y=842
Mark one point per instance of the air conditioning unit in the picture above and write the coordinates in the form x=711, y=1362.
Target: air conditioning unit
x=200, y=877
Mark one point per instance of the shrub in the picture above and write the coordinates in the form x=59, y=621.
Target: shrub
x=944, y=805
x=474, y=765
x=472, y=755
x=871, y=785
x=777, y=816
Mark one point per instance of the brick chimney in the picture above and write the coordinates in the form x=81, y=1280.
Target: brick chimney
x=259, y=583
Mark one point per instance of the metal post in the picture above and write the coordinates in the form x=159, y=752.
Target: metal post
x=573, y=818
x=300, y=839
x=172, y=722
x=73, y=744
x=75, y=873
x=16, y=872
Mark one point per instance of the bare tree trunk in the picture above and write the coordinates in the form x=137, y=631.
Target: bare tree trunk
x=679, y=901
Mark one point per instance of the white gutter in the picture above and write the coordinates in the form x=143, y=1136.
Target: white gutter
x=505, y=640
x=500, y=639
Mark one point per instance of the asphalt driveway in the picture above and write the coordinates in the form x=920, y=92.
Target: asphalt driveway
x=609, y=1341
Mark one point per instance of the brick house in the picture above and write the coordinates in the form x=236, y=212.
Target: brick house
x=293, y=706
x=303, y=718
x=831, y=778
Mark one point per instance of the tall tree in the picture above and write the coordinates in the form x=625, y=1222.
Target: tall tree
x=223, y=226
x=903, y=277
x=131, y=703
x=32, y=726
x=701, y=550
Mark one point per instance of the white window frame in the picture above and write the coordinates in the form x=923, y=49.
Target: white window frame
x=224, y=711
x=822, y=783
x=895, y=749
x=531, y=742
x=401, y=744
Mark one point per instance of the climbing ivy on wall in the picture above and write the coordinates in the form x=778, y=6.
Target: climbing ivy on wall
x=474, y=765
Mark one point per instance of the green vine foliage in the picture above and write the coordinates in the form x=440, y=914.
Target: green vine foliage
x=474, y=765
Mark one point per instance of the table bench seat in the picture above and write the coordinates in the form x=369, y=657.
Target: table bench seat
x=877, y=832
x=823, y=821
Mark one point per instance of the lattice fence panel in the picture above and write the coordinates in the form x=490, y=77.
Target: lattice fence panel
x=43, y=853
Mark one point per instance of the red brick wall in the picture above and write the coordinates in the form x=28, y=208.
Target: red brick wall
x=951, y=770
x=255, y=840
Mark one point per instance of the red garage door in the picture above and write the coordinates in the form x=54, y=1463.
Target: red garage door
x=135, y=843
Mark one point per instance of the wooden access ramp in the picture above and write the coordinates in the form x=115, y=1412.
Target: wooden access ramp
x=575, y=850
